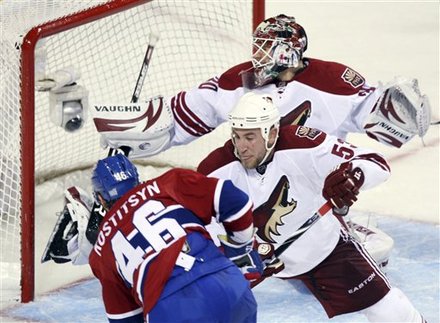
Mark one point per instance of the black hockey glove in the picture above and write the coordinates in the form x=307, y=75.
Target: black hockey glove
x=75, y=231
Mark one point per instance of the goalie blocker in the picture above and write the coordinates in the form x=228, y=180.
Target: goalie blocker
x=145, y=128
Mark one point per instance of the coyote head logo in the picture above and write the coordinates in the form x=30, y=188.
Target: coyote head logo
x=268, y=216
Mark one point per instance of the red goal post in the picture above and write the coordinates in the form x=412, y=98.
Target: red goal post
x=106, y=41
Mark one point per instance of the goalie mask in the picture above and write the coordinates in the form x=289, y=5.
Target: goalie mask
x=255, y=111
x=278, y=43
x=113, y=177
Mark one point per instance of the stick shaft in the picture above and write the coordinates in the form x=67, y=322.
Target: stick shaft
x=304, y=228
x=144, y=68
x=138, y=87
x=323, y=210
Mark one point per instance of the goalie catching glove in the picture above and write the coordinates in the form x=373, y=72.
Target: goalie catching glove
x=399, y=114
x=72, y=238
x=145, y=128
x=244, y=256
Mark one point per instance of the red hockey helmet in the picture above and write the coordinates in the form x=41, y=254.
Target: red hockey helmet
x=278, y=43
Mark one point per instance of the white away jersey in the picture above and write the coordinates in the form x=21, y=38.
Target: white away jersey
x=335, y=98
x=287, y=190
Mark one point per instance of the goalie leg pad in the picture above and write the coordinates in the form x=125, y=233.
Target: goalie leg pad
x=378, y=244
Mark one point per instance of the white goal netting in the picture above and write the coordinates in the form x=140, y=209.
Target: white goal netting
x=198, y=40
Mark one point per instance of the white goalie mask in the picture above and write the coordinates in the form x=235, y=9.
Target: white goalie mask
x=256, y=111
x=278, y=43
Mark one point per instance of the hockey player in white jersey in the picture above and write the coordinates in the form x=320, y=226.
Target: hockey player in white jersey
x=320, y=94
x=290, y=172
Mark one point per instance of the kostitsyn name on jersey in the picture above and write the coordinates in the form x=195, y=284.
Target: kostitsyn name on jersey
x=133, y=200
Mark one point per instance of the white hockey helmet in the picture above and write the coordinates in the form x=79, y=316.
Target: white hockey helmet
x=278, y=43
x=256, y=111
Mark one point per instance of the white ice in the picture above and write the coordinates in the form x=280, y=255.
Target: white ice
x=380, y=40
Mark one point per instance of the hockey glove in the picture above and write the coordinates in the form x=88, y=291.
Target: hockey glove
x=400, y=113
x=272, y=264
x=244, y=256
x=58, y=248
x=342, y=185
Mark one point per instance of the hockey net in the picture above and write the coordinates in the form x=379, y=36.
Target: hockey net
x=105, y=41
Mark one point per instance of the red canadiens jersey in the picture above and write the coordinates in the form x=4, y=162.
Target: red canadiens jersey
x=142, y=235
x=287, y=190
x=331, y=96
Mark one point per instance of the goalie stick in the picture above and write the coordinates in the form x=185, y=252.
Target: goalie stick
x=323, y=210
x=144, y=69
x=139, y=84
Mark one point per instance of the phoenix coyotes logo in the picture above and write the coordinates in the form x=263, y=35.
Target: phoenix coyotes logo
x=352, y=77
x=268, y=216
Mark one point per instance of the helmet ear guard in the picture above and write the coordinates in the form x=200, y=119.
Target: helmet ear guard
x=278, y=43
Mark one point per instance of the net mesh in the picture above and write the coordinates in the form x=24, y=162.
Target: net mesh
x=198, y=40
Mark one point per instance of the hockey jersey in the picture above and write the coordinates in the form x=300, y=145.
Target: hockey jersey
x=331, y=96
x=153, y=241
x=287, y=190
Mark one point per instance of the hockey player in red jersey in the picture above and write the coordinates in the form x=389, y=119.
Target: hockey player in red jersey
x=153, y=255
x=289, y=173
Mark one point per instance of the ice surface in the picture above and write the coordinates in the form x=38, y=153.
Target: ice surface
x=414, y=268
